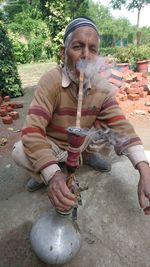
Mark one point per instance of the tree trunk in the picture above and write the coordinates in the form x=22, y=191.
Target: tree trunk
x=121, y=42
x=138, y=36
x=114, y=41
x=138, y=17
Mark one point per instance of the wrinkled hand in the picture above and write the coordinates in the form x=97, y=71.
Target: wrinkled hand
x=59, y=194
x=144, y=187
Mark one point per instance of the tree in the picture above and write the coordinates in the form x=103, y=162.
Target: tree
x=9, y=79
x=110, y=29
x=78, y=8
x=122, y=30
x=13, y=7
x=130, y=5
x=57, y=14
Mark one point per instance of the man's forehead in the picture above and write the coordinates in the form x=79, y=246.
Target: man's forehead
x=85, y=31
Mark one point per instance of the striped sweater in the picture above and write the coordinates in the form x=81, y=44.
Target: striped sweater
x=54, y=108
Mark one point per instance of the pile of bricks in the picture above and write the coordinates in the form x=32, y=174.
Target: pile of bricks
x=131, y=85
x=7, y=109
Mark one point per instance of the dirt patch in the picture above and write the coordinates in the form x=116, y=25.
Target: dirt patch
x=131, y=108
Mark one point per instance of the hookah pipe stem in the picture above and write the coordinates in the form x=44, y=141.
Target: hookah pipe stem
x=71, y=170
x=80, y=99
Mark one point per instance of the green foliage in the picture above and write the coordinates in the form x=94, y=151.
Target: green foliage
x=29, y=8
x=57, y=17
x=132, y=54
x=29, y=37
x=38, y=26
x=9, y=78
x=21, y=51
x=36, y=48
x=141, y=53
x=122, y=55
x=58, y=13
x=108, y=51
x=78, y=8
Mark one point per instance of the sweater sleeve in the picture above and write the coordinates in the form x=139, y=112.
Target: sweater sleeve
x=111, y=116
x=36, y=146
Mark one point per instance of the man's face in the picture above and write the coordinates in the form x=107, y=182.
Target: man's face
x=83, y=45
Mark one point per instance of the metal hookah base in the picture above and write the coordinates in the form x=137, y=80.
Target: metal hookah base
x=55, y=239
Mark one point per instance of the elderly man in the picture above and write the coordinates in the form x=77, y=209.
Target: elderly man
x=44, y=138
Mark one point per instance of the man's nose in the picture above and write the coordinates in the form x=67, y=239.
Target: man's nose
x=85, y=53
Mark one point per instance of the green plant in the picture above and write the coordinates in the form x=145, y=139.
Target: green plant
x=108, y=51
x=123, y=55
x=20, y=48
x=36, y=47
x=141, y=53
x=9, y=79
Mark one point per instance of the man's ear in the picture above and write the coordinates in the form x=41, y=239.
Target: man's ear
x=62, y=53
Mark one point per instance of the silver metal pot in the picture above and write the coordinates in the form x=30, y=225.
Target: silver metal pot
x=55, y=238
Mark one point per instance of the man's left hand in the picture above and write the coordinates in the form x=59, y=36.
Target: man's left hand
x=144, y=187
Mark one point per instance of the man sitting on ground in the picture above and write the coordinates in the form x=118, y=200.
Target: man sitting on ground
x=44, y=138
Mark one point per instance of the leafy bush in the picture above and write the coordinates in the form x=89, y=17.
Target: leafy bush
x=35, y=34
x=108, y=51
x=57, y=43
x=21, y=50
x=132, y=54
x=142, y=52
x=10, y=83
x=123, y=55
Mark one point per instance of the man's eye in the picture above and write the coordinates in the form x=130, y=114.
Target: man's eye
x=77, y=47
x=94, y=50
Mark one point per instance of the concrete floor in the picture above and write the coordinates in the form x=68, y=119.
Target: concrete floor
x=115, y=231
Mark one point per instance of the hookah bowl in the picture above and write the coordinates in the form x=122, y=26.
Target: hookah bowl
x=55, y=238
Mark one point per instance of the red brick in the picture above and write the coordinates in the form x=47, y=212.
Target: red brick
x=126, y=86
x=135, y=84
x=115, y=82
x=116, y=73
x=12, y=104
x=19, y=104
x=14, y=115
x=6, y=98
x=7, y=120
x=143, y=94
x=9, y=108
x=123, y=97
x=133, y=97
x=141, y=88
x=128, y=73
x=3, y=112
x=144, y=75
x=133, y=90
x=128, y=79
x=4, y=106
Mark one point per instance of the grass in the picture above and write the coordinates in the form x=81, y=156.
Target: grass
x=31, y=73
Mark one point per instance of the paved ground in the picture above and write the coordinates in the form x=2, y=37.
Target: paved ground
x=115, y=231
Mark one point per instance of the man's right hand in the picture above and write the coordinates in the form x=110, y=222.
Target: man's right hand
x=59, y=194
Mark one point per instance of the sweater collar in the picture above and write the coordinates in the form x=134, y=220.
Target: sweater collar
x=66, y=80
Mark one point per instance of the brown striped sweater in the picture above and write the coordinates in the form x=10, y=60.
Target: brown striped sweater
x=54, y=108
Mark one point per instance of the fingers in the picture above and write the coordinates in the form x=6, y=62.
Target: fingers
x=147, y=210
x=59, y=194
x=142, y=199
x=59, y=205
x=60, y=200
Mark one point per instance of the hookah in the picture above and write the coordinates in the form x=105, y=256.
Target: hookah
x=55, y=237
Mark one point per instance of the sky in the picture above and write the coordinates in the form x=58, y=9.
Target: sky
x=132, y=16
